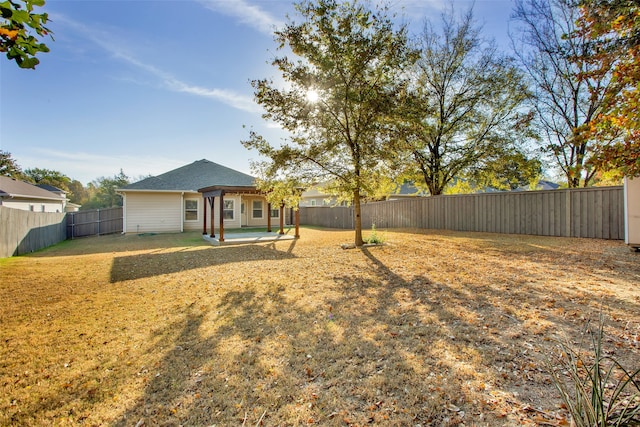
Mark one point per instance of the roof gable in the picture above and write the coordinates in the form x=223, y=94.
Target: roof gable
x=10, y=187
x=191, y=177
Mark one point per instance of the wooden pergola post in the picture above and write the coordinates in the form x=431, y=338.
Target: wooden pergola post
x=281, y=218
x=221, y=239
x=204, y=217
x=268, y=217
x=297, y=216
x=210, y=194
x=212, y=201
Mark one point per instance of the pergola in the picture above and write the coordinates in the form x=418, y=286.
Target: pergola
x=210, y=193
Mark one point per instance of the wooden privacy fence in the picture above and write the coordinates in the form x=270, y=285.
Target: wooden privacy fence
x=590, y=212
x=94, y=222
x=23, y=232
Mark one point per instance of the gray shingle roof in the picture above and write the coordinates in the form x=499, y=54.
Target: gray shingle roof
x=199, y=174
x=10, y=187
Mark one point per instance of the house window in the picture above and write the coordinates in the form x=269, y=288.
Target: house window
x=313, y=203
x=228, y=210
x=191, y=210
x=257, y=209
x=275, y=213
x=42, y=208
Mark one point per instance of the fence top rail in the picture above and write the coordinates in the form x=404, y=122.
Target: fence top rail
x=496, y=194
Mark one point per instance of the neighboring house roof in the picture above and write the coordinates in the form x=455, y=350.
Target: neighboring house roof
x=409, y=189
x=51, y=188
x=542, y=185
x=10, y=187
x=199, y=174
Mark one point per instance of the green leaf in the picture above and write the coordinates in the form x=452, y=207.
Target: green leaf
x=29, y=63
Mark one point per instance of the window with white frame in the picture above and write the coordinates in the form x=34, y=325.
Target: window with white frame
x=191, y=210
x=228, y=210
x=313, y=202
x=275, y=213
x=256, y=209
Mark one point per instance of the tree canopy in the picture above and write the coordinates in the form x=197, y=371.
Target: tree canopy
x=613, y=27
x=104, y=191
x=351, y=59
x=466, y=108
x=49, y=177
x=9, y=167
x=570, y=91
x=20, y=30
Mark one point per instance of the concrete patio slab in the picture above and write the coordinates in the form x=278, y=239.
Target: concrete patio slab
x=247, y=238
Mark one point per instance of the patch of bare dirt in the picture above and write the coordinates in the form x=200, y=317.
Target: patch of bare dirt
x=432, y=328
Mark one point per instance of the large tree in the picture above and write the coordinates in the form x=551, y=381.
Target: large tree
x=341, y=89
x=49, y=177
x=466, y=106
x=9, y=167
x=570, y=92
x=507, y=171
x=104, y=194
x=20, y=29
x=613, y=27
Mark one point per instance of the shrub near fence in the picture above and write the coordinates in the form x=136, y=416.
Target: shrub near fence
x=94, y=222
x=589, y=212
x=23, y=232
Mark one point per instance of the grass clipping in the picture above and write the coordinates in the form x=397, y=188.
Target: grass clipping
x=434, y=328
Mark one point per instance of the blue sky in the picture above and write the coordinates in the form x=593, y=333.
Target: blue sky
x=150, y=85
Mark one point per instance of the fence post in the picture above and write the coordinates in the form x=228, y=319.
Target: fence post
x=568, y=222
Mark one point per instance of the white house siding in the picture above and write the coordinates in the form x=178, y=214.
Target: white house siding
x=236, y=222
x=164, y=212
x=153, y=212
x=35, y=205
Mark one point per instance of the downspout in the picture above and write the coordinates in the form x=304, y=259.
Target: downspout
x=182, y=212
x=124, y=213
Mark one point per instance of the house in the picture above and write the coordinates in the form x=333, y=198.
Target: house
x=315, y=196
x=69, y=207
x=180, y=200
x=407, y=190
x=540, y=186
x=18, y=194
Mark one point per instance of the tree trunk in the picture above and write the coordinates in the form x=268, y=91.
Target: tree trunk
x=357, y=218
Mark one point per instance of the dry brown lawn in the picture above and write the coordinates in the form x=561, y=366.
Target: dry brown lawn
x=433, y=328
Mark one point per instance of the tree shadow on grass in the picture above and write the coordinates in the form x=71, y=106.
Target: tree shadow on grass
x=368, y=347
x=265, y=354
x=168, y=261
x=117, y=243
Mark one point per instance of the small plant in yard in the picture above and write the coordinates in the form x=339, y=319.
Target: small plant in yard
x=597, y=390
x=374, y=238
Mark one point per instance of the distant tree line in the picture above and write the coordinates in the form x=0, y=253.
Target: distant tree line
x=99, y=193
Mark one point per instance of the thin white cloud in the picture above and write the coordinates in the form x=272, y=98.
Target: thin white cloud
x=119, y=51
x=86, y=167
x=248, y=14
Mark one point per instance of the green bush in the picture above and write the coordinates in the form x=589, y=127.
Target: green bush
x=374, y=238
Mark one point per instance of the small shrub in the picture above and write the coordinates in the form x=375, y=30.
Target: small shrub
x=374, y=238
x=598, y=391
